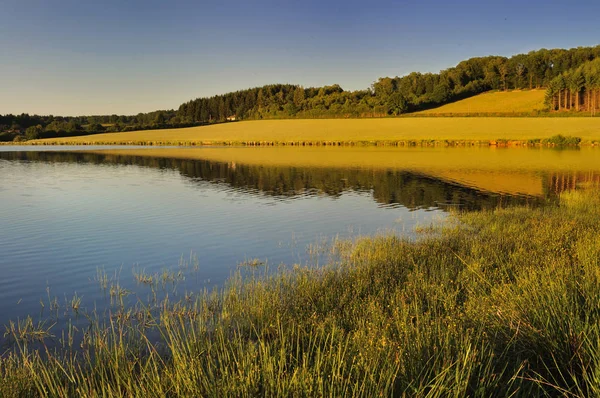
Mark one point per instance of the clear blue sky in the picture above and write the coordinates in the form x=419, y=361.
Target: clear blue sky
x=75, y=57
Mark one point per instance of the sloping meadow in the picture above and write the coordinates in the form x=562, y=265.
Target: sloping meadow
x=492, y=303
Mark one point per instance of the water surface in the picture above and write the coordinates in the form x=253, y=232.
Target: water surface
x=67, y=214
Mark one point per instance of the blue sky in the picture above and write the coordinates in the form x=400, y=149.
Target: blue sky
x=74, y=57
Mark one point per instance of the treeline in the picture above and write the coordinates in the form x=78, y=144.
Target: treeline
x=387, y=96
x=577, y=89
x=25, y=126
x=392, y=96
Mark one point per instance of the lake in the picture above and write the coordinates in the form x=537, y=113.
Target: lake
x=73, y=217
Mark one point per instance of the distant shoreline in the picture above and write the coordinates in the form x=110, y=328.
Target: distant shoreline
x=408, y=143
x=404, y=132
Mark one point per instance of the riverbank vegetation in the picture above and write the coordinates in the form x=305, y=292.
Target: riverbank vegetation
x=493, y=303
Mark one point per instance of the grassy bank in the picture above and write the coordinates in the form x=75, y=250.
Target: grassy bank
x=493, y=304
x=391, y=131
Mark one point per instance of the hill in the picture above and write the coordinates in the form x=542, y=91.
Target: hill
x=496, y=102
x=388, y=96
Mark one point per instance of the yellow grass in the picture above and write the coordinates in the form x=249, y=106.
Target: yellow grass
x=494, y=102
x=354, y=131
x=515, y=170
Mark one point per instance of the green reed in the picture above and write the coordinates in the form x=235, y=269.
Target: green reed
x=497, y=303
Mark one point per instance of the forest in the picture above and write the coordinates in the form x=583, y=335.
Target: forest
x=577, y=89
x=25, y=126
x=393, y=96
x=569, y=75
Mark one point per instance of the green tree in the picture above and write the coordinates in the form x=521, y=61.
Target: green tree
x=72, y=126
x=94, y=128
x=503, y=72
x=159, y=118
x=34, y=132
x=519, y=72
x=578, y=82
x=441, y=93
x=298, y=96
x=397, y=104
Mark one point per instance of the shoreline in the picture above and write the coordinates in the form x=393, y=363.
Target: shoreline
x=404, y=132
x=534, y=143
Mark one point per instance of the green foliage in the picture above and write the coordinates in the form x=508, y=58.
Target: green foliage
x=8, y=136
x=397, y=104
x=576, y=89
x=34, y=132
x=58, y=126
x=560, y=140
x=94, y=128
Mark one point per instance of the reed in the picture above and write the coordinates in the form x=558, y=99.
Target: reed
x=493, y=303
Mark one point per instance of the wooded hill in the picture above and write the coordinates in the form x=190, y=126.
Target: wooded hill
x=393, y=95
x=577, y=89
x=567, y=73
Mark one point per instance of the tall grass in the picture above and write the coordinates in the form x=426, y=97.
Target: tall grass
x=490, y=304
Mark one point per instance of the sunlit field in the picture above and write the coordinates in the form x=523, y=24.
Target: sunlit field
x=359, y=131
x=497, y=102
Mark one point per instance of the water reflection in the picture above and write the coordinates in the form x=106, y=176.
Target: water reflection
x=68, y=215
x=389, y=187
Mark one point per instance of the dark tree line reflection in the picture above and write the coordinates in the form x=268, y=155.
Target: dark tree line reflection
x=388, y=187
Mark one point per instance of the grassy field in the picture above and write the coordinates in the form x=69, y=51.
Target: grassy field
x=501, y=303
x=497, y=102
x=344, y=131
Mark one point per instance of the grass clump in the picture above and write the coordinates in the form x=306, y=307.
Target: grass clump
x=561, y=140
x=501, y=303
x=254, y=262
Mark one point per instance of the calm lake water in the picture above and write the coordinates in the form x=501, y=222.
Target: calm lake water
x=68, y=215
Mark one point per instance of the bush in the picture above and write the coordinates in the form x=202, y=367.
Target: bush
x=561, y=140
x=34, y=132
x=7, y=136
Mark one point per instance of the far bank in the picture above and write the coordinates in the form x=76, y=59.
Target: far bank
x=500, y=131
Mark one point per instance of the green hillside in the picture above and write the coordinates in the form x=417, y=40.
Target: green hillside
x=497, y=102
